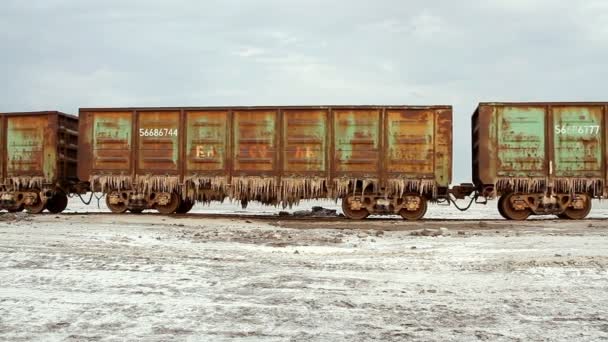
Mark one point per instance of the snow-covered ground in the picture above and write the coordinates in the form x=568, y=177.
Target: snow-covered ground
x=190, y=278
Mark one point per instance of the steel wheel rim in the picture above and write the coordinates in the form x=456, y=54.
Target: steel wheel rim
x=512, y=214
x=171, y=207
x=417, y=214
x=501, y=201
x=353, y=214
x=38, y=207
x=115, y=208
x=578, y=214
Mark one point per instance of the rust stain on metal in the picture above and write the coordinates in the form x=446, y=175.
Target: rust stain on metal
x=39, y=145
x=39, y=160
x=533, y=147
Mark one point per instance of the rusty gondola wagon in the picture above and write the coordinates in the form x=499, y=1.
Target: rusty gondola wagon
x=377, y=159
x=541, y=158
x=38, y=164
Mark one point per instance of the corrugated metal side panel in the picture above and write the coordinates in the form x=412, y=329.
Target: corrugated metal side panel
x=356, y=142
x=255, y=142
x=158, y=142
x=305, y=135
x=30, y=146
x=206, y=142
x=410, y=143
x=577, y=137
x=520, y=133
x=111, y=142
x=443, y=147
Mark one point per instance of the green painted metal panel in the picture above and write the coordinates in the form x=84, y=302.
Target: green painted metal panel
x=26, y=150
x=206, y=141
x=158, y=142
x=112, y=141
x=254, y=141
x=356, y=141
x=410, y=143
x=305, y=137
x=521, y=141
x=577, y=136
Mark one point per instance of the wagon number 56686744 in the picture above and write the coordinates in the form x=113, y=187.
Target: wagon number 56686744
x=157, y=132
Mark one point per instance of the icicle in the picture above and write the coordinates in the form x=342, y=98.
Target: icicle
x=27, y=182
x=292, y=189
x=569, y=185
x=195, y=188
x=253, y=187
x=151, y=183
x=399, y=186
x=111, y=182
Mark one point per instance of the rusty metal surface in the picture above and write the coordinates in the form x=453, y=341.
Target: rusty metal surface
x=255, y=142
x=540, y=145
x=357, y=142
x=420, y=144
x=206, y=142
x=40, y=145
x=305, y=142
x=268, y=144
x=157, y=142
x=105, y=143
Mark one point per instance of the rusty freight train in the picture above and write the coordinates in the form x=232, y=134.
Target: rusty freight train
x=538, y=158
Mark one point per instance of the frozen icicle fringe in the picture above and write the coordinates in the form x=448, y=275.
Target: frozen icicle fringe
x=195, y=187
x=569, y=185
x=295, y=188
x=111, y=182
x=399, y=186
x=27, y=182
x=345, y=186
x=253, y=187
x=149, y=183
x=521, y=184
x=594, y=186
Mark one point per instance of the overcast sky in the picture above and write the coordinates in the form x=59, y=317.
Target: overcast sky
x=59, y=54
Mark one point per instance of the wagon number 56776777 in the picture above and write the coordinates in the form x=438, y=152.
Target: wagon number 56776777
x=576, y=129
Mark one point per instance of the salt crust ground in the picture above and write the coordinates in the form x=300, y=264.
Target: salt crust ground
x=90, y=277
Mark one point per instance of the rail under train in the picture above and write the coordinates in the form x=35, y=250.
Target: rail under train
x=537, y=158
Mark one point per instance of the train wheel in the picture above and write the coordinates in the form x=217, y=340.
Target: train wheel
x=578, y=214
x=116, y=208
x=509, y=212
x=501, y=200
x=37, y=207
x=353, y=214
x=185, y=207
x=417, y=214
x=57, y=203
x=170, y=207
